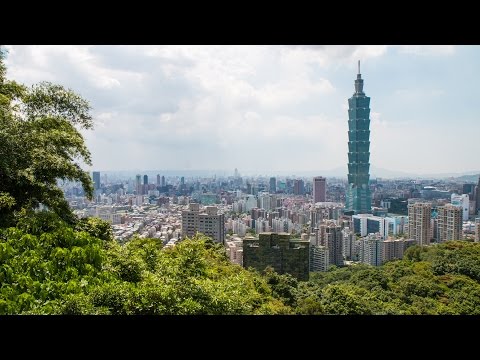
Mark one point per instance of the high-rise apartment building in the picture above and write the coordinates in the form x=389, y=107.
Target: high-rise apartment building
x=449, y=219
x=158, y=180
x=273, y=185
x=96, y=180
x=371, y=250
x=163, y=181
x=395, y=248
x=209, y=222
x=277, y=250
x=419, y=225
x=334, y=243
x=319, y=189
x=319, y=260
x=358, y=196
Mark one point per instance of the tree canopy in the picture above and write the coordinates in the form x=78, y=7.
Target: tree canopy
x=61, y=270
x=40, y=144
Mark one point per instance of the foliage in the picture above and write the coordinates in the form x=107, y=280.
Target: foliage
x=439, y=279
x=40, y=143
x=50, y=267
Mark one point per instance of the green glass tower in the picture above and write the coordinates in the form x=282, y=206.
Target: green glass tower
x=358, y=197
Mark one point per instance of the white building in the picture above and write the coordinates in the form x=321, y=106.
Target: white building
x=234, y=250
x=462, y=201
x=319, y=258
x=250, y=202
x=371, y=250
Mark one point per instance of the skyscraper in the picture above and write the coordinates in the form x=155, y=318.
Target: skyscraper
x=138, y=184
x=273, y=185
x=358, y=197
x=96, y=180
x=163, y=181
x=319, y=189
x=298, y=187
x=419, y=215
x=158, y=180
x=145, y=179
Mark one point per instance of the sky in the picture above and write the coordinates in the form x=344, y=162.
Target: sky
x=266, y=109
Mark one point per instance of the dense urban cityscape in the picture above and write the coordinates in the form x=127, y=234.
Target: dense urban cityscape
x=326, y=221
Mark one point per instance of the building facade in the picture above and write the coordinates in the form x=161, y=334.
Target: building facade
x=96, y=180
x=358, y=196
x=209, y=222
x=371, y=250
x=319, y=189
x=395, y=248
x=273, y=185
x=464, y=202
x=449, y=223
x=319, y=260
x=419, y=224
x=277, y=250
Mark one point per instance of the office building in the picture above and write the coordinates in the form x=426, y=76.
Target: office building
x=158, y=180
x=358, y=196
x=298, y=187
x=277, y=250
x=419, y=225
x=138, y=185
x=96, y=180
x=319, y=189
x=273, y=185
x=364, y=224
x=449, y=222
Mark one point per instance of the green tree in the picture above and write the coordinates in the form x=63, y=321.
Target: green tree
x=40, y=143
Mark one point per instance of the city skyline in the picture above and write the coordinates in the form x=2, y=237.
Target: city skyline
x=265, y=109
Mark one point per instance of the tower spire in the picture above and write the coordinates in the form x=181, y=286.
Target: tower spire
x=359, y=82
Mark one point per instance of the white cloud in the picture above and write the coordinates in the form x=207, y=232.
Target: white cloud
x=427, y=49
x=251, y=107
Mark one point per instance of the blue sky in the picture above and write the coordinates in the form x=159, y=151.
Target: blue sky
x=267, y=109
